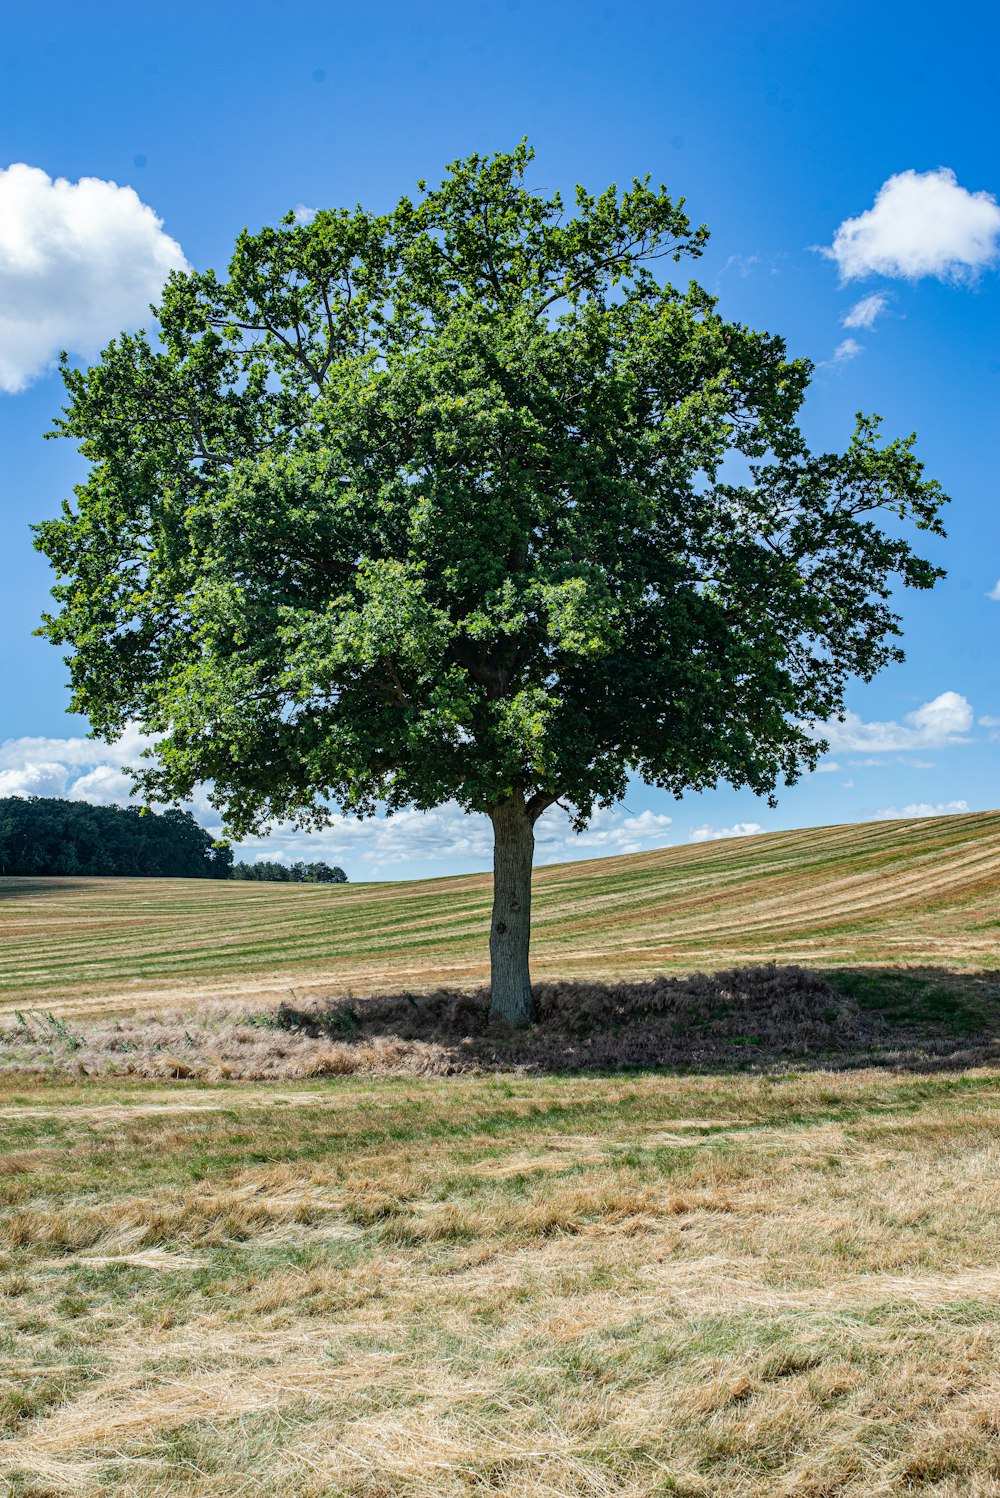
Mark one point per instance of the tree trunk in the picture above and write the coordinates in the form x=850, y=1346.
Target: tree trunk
x=510, y=933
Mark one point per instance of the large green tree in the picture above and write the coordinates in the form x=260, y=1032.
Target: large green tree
x=464, y=502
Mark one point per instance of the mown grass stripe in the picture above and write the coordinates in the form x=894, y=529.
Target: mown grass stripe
x=911, y=891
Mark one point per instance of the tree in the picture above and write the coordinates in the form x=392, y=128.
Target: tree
x=461, y=501
x=42, y=835
x=295, y=873
x=323, y=873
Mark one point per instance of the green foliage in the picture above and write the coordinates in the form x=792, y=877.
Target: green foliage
x=40, y=835
x=46, y=1026
x=290, y=873
x=436, y=503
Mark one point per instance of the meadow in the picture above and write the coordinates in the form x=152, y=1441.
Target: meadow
x=727, y=1285
x=757, y=1275
x=901, y=893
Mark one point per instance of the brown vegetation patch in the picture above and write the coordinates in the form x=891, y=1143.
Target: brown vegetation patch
x=746, y=1017
x=755, y=1013
x=676, y=1022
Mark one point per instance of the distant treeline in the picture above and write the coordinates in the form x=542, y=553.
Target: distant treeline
x=290, y=873
x=43, y=835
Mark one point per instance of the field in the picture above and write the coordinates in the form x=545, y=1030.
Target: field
x=718, y=1286
x=762, y=1277
x=916, y=893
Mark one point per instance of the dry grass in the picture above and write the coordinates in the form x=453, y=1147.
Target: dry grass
x=352, y=1281
x=756, y=1017
x=918, y=893
x=756, y=1285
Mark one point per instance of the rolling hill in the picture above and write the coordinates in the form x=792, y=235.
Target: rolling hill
x=923, y=892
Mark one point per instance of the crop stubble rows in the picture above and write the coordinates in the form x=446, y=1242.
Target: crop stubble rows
x=920, y=892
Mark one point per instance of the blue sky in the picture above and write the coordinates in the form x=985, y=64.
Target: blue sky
x=778, y=123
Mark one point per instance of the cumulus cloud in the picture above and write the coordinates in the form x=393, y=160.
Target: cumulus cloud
x=105, y=785
x=609, y=832
x=715, y=834
x=77, y=769
x=79, y=261
x=42, y=777
x=922, y=809
x=82, y=769
x=72, y=752
x=994, y=592
x=944, y=720
x=865, y=313
x=921, y=224
x=447, y=834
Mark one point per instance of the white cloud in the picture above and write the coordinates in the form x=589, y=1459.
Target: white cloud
x=715, y=834
x=843, y=354
x=921, y=224
x=78, y=769
x=302, y=214
x=943, y=721
x=16, y=753
x=828, y=767
x=865, y=313
x=447, y=833
x=79, y=261
x=994, y=592
x=105, y=785
x=922, y=809
x=42, y=777
x=608, y=832
x=988, y=722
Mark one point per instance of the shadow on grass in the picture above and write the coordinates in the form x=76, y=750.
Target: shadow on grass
x=14, y=885
x=767, y=1018
x=745, y=1018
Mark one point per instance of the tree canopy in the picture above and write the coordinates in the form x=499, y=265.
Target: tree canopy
x=43, y=835
x=464, y=501
x=268, y=871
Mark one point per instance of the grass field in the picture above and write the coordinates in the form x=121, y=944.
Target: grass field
x=715, y=1286
x=775, y=1282
x=918, y=892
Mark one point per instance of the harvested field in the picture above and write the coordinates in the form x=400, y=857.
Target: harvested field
x=919, y=893
x=544, y=1287
x=420, y=1257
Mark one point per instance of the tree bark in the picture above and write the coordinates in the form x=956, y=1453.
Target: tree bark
x=510, y=933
